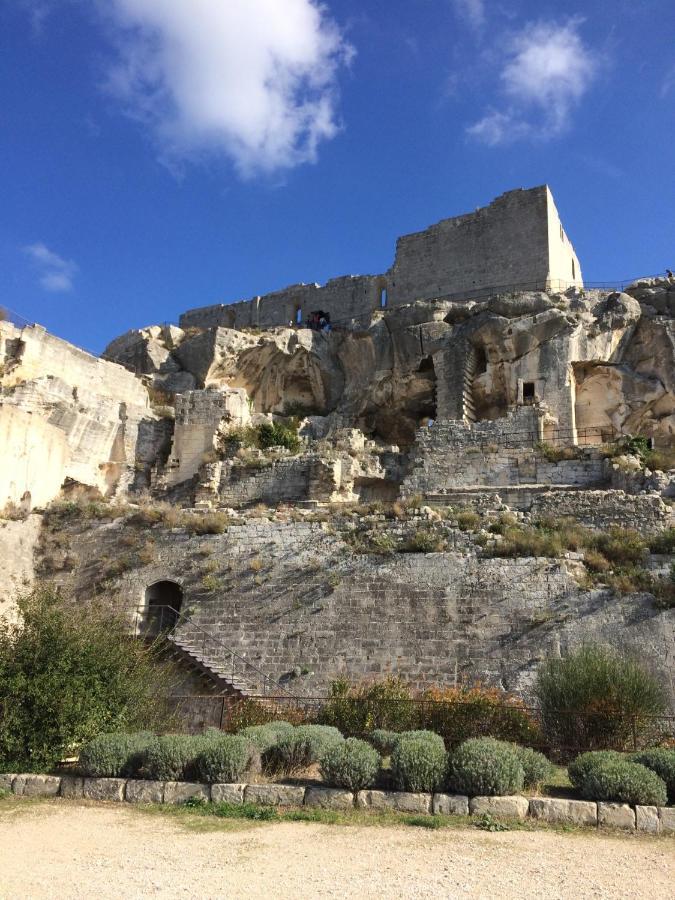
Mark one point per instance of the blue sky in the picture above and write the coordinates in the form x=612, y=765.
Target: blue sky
x=158, y=154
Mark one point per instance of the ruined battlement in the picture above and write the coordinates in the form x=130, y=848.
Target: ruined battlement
x=516, y=242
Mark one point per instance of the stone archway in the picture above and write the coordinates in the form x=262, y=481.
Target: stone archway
x=163, y=600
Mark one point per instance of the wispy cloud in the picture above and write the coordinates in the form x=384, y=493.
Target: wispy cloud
x=668, y=84
x=56, y=273
x=546, y=71
x=470, y=11
x=253, y=80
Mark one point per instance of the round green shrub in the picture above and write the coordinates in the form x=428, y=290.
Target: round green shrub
x=265, y=736
x=223, y=760
x=579, y=768
x=115, y=755
x=423, y=735
x=301, y=748
x=536, y=768
x=172, y=756
x=624, y=782
x=351, y=764
x=418, y=763
x=485, y=767
x=383, y=740
x=662, y=761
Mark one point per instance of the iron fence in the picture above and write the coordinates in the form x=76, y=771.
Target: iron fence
x=561, y=735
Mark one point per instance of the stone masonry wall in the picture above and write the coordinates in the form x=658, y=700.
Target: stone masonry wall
x=293, y=595
x=646, y=513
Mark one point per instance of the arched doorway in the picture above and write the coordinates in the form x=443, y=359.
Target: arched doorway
x=163, y=601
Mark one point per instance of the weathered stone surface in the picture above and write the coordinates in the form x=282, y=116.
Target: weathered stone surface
x=227, y=793
x=72, y=787
x=450, y=805
x=139, y=791
x=6, y=782
x=329, y=798
x=274, y=794
x=180, y=791
x=36, y=785
x=568, y=812
x=504, y=807
x=616, y=815
x=402, y=801
x=667, y=818
x=104, y=788
x=647, y=819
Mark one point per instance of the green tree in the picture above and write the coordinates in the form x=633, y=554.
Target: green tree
x=69, y=672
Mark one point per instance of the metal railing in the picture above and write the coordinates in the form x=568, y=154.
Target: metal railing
x=163, y=621
x=562, y=735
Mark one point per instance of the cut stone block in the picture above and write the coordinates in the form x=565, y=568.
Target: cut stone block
x=667, y=818
x=402, y=801
x=140, y=791
x=450, y=805
x=6, y=782
x=227, y=793
x=104, y=788
x=180, y=791
x=564, y=812
x=72, y=787
x=503, y=807
x=274, y=794
x=616, y=815
x=647, y=819
x=36, y=785
x=329, y=798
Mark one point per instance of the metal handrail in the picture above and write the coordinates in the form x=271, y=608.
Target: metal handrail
x=173, y=616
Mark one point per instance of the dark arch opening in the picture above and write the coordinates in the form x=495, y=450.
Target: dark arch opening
x=163, y=600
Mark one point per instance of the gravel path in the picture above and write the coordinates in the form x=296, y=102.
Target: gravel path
x=67, y=850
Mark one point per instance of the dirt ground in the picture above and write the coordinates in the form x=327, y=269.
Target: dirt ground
x=68, y=850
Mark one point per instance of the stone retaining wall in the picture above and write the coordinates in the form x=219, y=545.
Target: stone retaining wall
x=650, y=819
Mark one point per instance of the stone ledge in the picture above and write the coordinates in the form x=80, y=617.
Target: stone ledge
x=401, y=801
x=450, y=805
x=505, y=807
x=329, y=798
x=647, y=819
x=138, y=791
x=616, y=815
x=228, y=793
x=667, y=819
x=564, y=812
x=274, y=794
x=36, y=785
x=104, y=788
x=72, y=787
x=180, y=791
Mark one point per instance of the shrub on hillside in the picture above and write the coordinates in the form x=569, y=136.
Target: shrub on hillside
x=115, y=755
x=485, y=767
x=596, y=699
x=301, y=748
x=69, y=672
x=458, y=714
x=536, y=768
x=383, y=740
x=358, y=708
x=351, y=764
x=620, y=781
x=223, y=760
x=423, y=735
x=418, y=763
x=662, y=761
x=579, y=769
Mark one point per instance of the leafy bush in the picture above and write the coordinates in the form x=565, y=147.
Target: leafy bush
x=621, y=546
x=424, y=540
x=351, y=764
x=273, y=434
x=223, y=760
x=661, y=761
x=69, y=673
x=172, y=756
x=664, y=542
x=303, y=746
x=383, y=740
x=423, y=735
x=418, y=763
x=536, y=768
x=115, y=755
x=358, y=708
x=579, y=769
x=596, y=699
x=265, y=736
x=485, y=767
x=620, y=781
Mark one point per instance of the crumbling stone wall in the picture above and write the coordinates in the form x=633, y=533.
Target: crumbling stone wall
x=645, y=513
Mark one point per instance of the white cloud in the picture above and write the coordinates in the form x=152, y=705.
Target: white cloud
x=56, y=273
x=668, y=83
x=255, y=80
x=547, y=71
x=471, y=11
